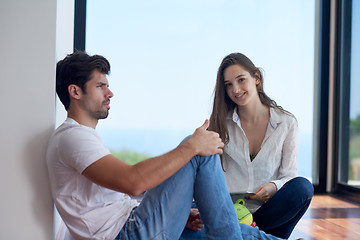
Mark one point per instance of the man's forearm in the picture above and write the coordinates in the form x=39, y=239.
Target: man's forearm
x=153, y=171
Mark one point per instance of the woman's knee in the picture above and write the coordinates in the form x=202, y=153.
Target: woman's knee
x=304, y=186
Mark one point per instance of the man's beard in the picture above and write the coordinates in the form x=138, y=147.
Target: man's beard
x=101, y=114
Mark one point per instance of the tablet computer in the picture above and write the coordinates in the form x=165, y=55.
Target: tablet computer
x=252, y=205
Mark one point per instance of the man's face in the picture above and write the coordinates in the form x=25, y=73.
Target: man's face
x=96, y=100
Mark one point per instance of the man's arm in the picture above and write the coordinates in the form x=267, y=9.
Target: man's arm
x=115, y=174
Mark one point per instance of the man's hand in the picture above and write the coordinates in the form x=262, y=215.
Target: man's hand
x=206, y=142
x=265, y=192
x=194, y=221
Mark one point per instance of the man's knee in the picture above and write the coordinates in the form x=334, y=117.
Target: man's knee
x=185, y=139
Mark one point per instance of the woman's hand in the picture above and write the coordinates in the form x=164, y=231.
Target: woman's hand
x=194, y=221
x=265, y=192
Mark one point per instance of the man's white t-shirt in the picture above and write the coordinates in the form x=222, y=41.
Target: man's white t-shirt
x=90, y=211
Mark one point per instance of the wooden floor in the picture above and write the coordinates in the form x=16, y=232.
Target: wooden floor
x=329, y=218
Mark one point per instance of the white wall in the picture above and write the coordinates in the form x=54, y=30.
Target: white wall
x=28, y=56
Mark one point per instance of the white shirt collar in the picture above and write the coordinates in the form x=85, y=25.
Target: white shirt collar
x=275, y=117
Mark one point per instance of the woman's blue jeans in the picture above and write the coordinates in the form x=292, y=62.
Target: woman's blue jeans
x=164, y=210
x=281, y=213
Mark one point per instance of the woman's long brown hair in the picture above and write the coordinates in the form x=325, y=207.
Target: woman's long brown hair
x=223, y=104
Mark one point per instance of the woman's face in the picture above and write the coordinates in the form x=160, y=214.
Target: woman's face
x=240, y=86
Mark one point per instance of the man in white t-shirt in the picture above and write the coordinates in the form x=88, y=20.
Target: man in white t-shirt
x=91, y=188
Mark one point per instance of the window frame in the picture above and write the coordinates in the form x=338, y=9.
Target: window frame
x=79, y=25
x=321, y=100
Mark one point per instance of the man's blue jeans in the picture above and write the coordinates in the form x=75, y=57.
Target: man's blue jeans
x=164, y=210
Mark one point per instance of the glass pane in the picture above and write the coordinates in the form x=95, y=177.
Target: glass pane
x=354, y=135
x=165, y=54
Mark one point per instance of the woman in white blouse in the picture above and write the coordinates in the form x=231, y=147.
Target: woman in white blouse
x=260, y=153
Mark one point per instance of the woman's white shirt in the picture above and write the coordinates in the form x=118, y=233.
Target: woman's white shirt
x=276, y=161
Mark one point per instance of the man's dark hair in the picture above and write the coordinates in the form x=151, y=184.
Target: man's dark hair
x=77, y=68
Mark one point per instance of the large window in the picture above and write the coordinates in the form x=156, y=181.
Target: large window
x=354, y=126
x=165, y=54
x=349, y=100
